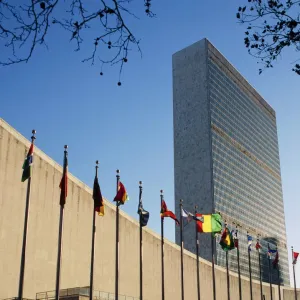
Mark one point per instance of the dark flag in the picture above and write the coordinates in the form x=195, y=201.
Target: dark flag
x=144, y=214
x=276, y=260
x=97, y=196
x=64, y=182
x=27, y=165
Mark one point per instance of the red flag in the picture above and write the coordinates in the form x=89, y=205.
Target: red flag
x=276, y=260
x=236, y=242
x=64, y=183
x=164, y=212
x=296, y=254
x=121, y=196
x=257, y=246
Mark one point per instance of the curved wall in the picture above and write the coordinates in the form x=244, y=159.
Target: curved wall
x=43, y=230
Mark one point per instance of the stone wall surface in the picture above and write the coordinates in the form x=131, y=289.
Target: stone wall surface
x=43, y=230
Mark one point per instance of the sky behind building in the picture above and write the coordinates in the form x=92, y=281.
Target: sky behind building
x=131, y=127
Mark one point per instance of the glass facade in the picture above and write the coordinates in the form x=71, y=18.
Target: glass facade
x=246, y=173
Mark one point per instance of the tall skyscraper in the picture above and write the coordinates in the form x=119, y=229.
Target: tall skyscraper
x=226, y=157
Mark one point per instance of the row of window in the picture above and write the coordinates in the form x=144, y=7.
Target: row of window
x=246, y=103
x=247, y=139
x=220, y=100
x=240, y=165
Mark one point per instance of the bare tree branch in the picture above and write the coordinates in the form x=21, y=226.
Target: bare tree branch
x=25, y=26
x=273, y=26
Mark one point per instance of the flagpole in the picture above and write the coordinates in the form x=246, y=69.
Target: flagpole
x=250, y=271
x=213, y=267
x=278, y=272
x=227, y=272
x=23, y=253
x=197, y=256
x=162, y=250
x=141, y=243
x=259, y=264
x=295, y=288
x=61, y=216
x=181, y=247
x=238, y=261
x=117, y=242
x=93, y=243
x=270, y=274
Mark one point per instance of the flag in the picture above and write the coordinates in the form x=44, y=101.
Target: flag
x=122, y=195
x=27, y=165
x=249, y=238
x=211, y=223
x=64, y=182
x=276, y=260
x=235, y=239
x=190, y=216
x=143, y=213
x=271, y=251
x=296, y=254
x=258, y=246
x=236, y=242
x=97, y=196
x=226, y=241
x=164, y=212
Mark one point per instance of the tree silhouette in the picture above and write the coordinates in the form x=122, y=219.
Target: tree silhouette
x=25, y=25
x=272, y=27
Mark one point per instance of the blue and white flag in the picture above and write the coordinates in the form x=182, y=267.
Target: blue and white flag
x=249, y=238
x=271, y=251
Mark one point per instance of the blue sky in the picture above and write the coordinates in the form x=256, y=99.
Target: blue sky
x=130, y=127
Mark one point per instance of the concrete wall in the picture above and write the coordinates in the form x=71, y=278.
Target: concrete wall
x=43, y=230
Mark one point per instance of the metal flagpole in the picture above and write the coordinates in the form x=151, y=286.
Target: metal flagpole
x=197, y=255
x=117, y=242
x=238, y=261
x=141, y=241
x=93, y=244
x=23, y=253
x=162, y=250
x=270, y=274
x=227, y=272
x=213, y=267
x=181, y=246
x=260, y=275
x=228, y=282
x=295, y=288
x=61, y=216
x=278, y=272
x=250, y=271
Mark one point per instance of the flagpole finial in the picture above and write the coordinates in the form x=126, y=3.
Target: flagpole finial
x=66, y=147
x=118, y=171
x=161, y=191
x=97, y=163
x=140, y=183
